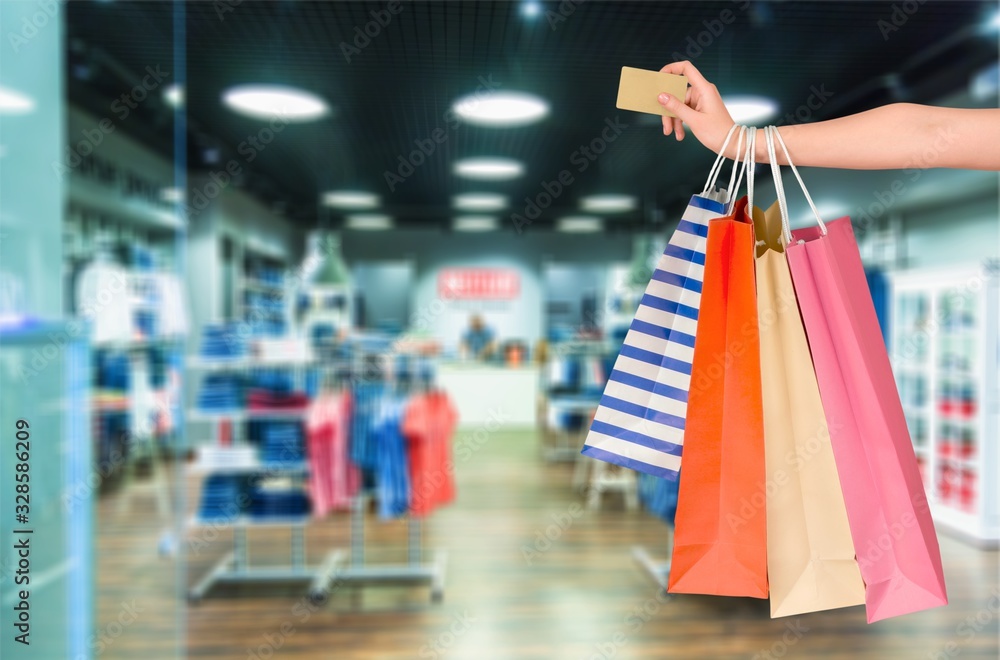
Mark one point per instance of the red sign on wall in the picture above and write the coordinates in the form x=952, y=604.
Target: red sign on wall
x=478, y=284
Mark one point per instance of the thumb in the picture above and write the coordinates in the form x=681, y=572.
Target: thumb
x=686, y=113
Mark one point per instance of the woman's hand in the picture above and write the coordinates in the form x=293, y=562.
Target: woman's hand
x=702, y=109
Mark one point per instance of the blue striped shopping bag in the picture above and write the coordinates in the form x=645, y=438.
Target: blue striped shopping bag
x=639, y=422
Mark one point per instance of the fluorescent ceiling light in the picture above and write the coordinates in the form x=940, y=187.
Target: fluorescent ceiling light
x=480, y=201
x=501, y=109
x=475, y=223
x=174, y=95
x=489, y=168
x=369, y=222
x=15, y=103
x=350, y=199
x=579, y=224
x=995, y=21
x=530, y=9
x=172, y=195
x=608, y=203
x=750, y=109
x=275, y=101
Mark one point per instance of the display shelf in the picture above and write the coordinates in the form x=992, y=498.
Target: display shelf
x=296, y=467
x=247, y=362
x=944, y=355
x=242, y=414
x=197, y=522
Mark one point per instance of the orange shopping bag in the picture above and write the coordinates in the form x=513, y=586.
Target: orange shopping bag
x=720, y=539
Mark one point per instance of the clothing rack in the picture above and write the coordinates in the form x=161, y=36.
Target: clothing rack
x=660, y=498
x=349, y=566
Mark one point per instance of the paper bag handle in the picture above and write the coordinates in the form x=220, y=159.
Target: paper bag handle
x=749, y=163
x=786, y=228
x=713, y=174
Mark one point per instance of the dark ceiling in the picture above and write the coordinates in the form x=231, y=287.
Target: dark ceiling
x=399, y=88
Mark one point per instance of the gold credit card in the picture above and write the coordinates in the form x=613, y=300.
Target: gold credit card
x=639, y=88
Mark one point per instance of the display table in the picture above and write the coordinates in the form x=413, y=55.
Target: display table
x=484, y=392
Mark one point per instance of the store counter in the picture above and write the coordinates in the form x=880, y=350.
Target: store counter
x=484, y=392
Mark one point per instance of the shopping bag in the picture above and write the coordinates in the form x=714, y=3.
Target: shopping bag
x=810, y=554
x=720, y=540
x=894, y=537
x=639, y=421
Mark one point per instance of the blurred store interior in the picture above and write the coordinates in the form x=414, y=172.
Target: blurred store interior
x=258, y=237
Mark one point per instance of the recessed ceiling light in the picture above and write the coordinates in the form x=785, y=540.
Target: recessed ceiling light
x=531, y=9
x=475, y=223
x=369, y=222
x=172, y=195
x=501, y=109
x=579, y=224
x=608, y=203
x=275, y=102
x=750, y=109
x=15, y=103
x=350, y=199
x=480, y=201
x=174, y=95
x=489, y=168
x=995, y=21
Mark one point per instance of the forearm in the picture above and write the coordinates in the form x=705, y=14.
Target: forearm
x=896, y=136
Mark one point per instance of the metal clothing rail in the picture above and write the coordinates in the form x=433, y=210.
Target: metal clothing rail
x=350, y=567
x=344, y=568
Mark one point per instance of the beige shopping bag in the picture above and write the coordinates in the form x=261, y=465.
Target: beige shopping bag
x=810, y=553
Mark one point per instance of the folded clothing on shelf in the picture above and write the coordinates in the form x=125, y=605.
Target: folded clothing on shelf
x=221, y=496
x=221, y=392
x=268, y=502
x=222, y=340
x=281, y=442
x=259, y=399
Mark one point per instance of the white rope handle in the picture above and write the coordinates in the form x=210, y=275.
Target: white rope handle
x=732, y=175
x=713, y=173
x=795, y=171
x=779, y=185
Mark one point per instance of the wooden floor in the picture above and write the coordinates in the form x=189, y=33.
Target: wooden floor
x=579, y=597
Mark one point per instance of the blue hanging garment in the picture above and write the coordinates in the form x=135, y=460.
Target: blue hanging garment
x=392, y=478
x=366, y=397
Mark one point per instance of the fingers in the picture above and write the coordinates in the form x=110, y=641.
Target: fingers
x=674, y=105
x=679, y=129
x=668, y=125
x=685, y=68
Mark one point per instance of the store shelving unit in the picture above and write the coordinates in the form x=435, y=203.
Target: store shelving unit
x=239, y=458
x=261, y=292
x=944, y=335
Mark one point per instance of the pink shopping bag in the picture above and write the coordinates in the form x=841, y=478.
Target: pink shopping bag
x=894, y=537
